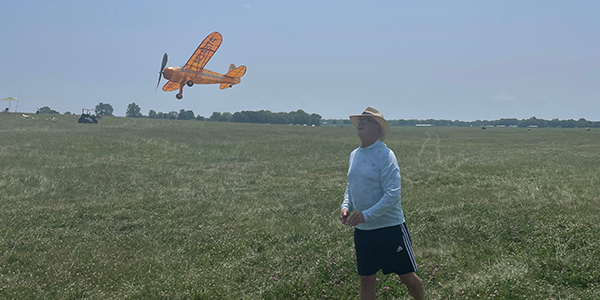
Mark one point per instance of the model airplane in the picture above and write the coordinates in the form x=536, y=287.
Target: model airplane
x=194, y=72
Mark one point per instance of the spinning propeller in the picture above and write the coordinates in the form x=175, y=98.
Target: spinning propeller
x=162, y=69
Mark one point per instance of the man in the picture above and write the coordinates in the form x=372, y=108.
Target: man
x=381, y=239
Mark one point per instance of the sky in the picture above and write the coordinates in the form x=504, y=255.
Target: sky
x=457, y=60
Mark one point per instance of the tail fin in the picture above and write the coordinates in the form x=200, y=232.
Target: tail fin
x=231, y=67
x=237, y=72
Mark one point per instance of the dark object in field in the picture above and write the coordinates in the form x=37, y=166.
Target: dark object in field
x=88, y=117
x=483, y=128
x=587, y=129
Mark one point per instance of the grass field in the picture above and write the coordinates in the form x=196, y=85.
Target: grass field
x=159, y=209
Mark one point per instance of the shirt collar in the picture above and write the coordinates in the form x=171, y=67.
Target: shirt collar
x=372, y=146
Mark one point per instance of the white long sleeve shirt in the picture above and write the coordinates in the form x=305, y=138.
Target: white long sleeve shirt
x=374, y=187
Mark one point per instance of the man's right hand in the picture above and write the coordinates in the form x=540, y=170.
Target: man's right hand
x=344, y=216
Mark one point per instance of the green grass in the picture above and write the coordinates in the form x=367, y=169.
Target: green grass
x=159, y=209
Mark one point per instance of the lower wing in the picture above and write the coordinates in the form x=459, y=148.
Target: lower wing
x=171, y=86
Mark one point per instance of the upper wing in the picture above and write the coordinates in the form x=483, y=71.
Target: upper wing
x=171, y=86
x=204, y=52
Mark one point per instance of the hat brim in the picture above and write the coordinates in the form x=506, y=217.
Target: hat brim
x=385, y=127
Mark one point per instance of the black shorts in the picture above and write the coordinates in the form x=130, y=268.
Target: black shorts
x=388, y=249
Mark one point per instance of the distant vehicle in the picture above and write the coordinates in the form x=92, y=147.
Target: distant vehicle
x=194, y=72
x=88, y=116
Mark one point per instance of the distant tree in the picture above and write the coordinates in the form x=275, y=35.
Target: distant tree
x=459, y=123
x=152, y=114
x=172, y=115
x=185, y=115
x=299, y=117
x=190, y=114
x=47, y=110
x=554, y=123
x=281, y=118
x=570, y=123
x=240, y=117
x=215, y=116
x=314, y=119
x=67, y=113
x=133, y=110
x=225, y=117
x=533, y=121
x=507, y=122
x=581, y=123
x=104, y=109
x=264, y=116
x=182, y=115
x=199, y=118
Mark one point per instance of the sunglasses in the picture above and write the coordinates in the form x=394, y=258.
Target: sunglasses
x=365, y=121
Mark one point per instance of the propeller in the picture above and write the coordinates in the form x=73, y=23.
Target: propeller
x=162, y=68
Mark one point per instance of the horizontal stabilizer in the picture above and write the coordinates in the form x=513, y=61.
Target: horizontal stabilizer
x=237, y=72
x=225, y=86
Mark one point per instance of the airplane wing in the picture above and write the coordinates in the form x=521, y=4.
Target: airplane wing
x=204, y=52
x=171, y=86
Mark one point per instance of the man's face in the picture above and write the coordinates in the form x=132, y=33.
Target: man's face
x=367, y=127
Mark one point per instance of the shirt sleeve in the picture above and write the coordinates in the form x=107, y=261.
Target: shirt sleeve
x=347, y=203
x=390, y=183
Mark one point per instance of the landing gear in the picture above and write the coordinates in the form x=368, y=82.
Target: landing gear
x=190, y=83
x=180, y=94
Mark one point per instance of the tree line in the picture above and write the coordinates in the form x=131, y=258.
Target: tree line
x=301, y=117
x=246, y=116
x=533, y=121
x=266, y=116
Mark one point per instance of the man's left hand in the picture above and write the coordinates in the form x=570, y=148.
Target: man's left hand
x=356, y=218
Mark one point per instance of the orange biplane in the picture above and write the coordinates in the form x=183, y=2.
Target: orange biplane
x=194, y=72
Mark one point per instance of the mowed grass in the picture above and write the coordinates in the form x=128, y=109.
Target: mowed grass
x=162, y=209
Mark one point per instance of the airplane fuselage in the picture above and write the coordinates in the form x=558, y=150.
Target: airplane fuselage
x=204, y=77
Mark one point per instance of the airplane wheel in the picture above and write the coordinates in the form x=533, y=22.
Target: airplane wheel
x=178, y=96
x=190, y=83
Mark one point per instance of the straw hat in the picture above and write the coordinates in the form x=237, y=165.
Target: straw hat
x=377, y=116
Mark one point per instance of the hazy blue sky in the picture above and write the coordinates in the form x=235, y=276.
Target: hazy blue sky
x=462, y=60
